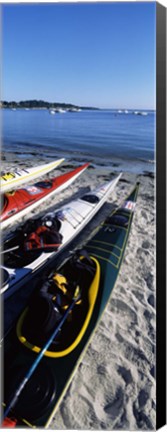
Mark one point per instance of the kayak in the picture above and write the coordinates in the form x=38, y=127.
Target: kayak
x=13, y=179
x=39, y=240
x=44, y=349
x=18, y=203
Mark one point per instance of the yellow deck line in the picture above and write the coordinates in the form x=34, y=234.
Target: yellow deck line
x=105, y=250
x=115, y=226
x=106, y=243
x=121, y=249
x=105, y=259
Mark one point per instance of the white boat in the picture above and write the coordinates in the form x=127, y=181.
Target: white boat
x=74, y=109
x=60, y=110
x=19, y=267
x=13, y=179
x=140, y=113
x=52, y=112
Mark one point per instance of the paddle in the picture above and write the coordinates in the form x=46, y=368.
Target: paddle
x=47, y=248
x=14, y=399
x=10, y=250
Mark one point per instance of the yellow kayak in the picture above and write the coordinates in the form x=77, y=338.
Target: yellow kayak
x=13, y=179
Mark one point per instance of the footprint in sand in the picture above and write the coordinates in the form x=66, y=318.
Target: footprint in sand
x=140, y=409
x=113, y=408
x=149, y=278
x=151, y=300
x=121, y=308
x=125, y=374
x=146, y=244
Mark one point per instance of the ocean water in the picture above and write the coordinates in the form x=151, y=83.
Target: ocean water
x=103, y=137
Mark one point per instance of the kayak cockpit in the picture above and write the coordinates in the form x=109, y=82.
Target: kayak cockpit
x=36, y=236
x=118, y=219
x=93, y=199
x=47, y=184
x=46, y=308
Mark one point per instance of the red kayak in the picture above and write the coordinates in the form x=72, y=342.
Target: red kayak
x=16, y=204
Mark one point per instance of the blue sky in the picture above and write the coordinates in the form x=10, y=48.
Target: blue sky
x=88, y=54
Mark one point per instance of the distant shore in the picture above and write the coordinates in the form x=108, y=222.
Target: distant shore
x=40, y=104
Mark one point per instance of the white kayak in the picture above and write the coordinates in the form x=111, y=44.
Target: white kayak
x=21, y=264
x=13, y=179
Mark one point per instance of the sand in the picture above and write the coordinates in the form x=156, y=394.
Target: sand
x=114, y=386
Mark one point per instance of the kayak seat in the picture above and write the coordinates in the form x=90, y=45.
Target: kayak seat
x=34, y=224
x=42, y=318
x=52, y=221
x=93, y=199
x=118, y=219
x=44, y=184
x=49, y=240
x=75, y=326
x=49, y=304
x=43, y=238
x=80, y=268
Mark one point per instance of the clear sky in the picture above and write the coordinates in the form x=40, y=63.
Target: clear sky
x=93, y=54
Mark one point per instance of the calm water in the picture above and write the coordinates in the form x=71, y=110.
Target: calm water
x=102, y=137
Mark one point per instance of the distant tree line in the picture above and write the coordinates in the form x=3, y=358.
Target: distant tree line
x=40, y=104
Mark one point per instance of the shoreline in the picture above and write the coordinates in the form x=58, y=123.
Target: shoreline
x=140, y=167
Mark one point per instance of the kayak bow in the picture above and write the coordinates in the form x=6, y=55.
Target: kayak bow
x=13, y=179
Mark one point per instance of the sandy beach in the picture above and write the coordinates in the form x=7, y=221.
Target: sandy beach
x=114, y=386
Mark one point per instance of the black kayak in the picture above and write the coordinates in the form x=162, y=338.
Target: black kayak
x=40, y=330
